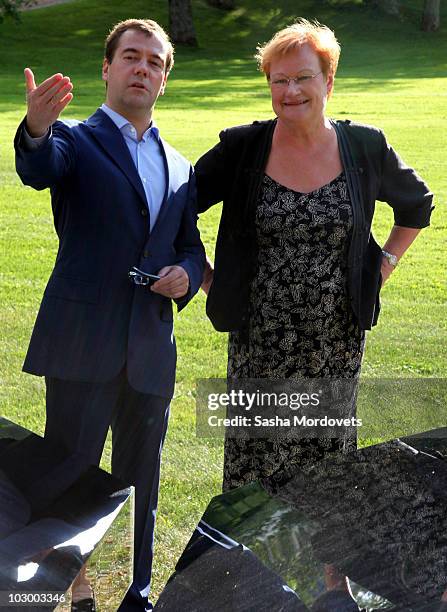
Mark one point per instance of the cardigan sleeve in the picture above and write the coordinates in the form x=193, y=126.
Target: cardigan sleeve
x=404, y=190
x=211, y=176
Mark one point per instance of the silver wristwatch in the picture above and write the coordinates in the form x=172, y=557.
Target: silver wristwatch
x=391, y=259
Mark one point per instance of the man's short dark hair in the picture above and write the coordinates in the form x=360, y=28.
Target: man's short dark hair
x=148, y=27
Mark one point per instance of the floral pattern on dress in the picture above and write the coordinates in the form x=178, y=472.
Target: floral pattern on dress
x=301, y=324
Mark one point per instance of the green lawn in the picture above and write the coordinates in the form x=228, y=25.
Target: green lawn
x=390, y=75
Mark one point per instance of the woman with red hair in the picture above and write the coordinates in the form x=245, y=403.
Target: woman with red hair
x=297, y=271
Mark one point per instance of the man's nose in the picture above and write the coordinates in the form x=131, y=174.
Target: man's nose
x=142, y=67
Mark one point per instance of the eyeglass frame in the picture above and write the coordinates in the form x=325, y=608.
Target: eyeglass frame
x=298, y=80
x=138, y=277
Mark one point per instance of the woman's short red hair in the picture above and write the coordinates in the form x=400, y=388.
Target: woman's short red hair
x=318, y=36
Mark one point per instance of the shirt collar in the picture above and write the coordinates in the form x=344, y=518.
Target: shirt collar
x=121, y=122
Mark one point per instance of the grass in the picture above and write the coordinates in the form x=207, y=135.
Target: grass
x=391, y=75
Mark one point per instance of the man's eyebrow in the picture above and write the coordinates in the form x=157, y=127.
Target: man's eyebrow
x=138, y=51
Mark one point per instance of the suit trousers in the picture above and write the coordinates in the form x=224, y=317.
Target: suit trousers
x=78, y=417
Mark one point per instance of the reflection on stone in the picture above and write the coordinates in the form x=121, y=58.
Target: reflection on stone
x=54, y=519
x=109, y=569
x=366, y=530
x=217, y=573
x=382, y=512
x=277, y=534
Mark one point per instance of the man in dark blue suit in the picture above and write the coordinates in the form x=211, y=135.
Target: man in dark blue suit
x=121, y=197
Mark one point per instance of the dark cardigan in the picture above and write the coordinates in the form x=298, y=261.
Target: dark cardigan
x=232, y=172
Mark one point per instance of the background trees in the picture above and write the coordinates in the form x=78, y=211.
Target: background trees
x=430, y=10
x=391, y=7
x=10, y=8
x=431, y=18
x=181, y=22
x=222, y=4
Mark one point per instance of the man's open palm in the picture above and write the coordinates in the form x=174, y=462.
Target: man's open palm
x=45, y=101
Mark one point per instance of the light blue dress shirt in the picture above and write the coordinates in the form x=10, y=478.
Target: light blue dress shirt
x=148, y=159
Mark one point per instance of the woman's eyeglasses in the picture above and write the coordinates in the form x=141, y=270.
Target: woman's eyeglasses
x=283, y=82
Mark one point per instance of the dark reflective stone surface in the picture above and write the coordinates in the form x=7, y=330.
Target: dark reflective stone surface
x=363, y=530
x=54, y=519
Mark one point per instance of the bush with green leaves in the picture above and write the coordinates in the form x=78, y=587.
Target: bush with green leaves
x=11, y=8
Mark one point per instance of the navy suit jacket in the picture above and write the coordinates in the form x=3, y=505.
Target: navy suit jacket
x=92, y=320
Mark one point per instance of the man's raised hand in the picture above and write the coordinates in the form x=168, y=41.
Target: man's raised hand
x=46, y=101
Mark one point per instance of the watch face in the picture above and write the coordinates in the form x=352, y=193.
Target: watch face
x=392, y=259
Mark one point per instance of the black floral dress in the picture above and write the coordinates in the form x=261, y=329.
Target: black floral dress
x=301, y=323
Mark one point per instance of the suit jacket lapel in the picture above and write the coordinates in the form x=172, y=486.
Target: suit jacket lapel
x=111, y=140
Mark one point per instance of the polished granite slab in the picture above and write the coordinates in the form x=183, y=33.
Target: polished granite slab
x=56, y=520
x=365, y=530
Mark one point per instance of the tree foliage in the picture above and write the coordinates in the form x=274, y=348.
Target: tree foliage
x=11, y=8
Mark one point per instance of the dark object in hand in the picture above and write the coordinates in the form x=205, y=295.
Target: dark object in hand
x=138, y=277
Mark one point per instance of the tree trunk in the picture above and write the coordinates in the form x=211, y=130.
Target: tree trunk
x=431, y=18
x=181, y=24
x=226, y=5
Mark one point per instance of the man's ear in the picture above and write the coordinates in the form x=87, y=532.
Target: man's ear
x=105, y=69
x=163, y=85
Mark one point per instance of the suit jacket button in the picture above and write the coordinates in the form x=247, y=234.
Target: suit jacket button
x=144, y=212
x=146, y=254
